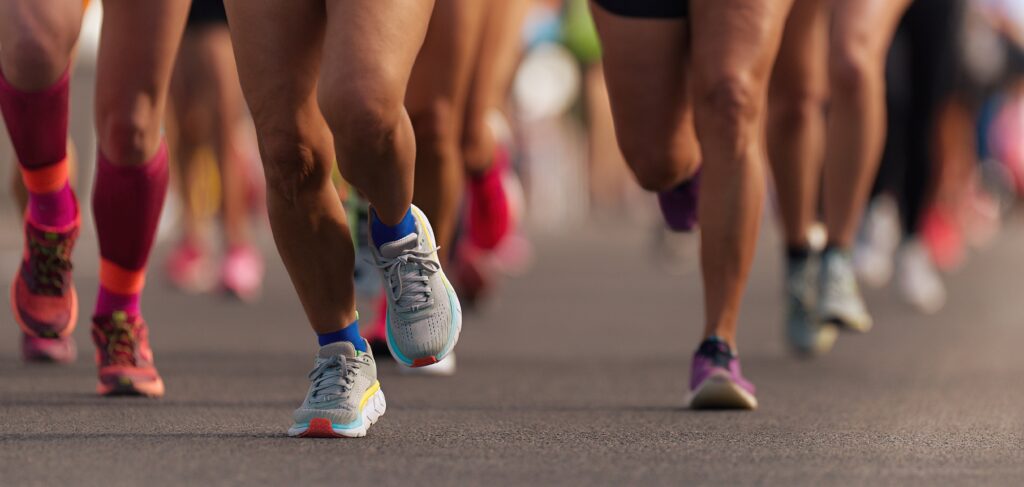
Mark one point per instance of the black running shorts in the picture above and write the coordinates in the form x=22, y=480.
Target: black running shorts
x=207, y=12
x=657, y=9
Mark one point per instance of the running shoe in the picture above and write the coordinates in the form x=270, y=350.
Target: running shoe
x=806, y=335
x=918, y=279
x=188, y=269
x=424, y=317
x=443, y=368
x=242, y=273
x=124, y=358
x=43, y=296
x=344, y=397
x=489, y=218
x=877, y=241
x=716, y=381
x=59, y=350
x=679, y=205
x=839, y=298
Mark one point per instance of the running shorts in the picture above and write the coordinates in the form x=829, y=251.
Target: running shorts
x=207, y=12
x=657, y=9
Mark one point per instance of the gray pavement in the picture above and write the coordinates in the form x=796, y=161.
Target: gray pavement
x=575, y=376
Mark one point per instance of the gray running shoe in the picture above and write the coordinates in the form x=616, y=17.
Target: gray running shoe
x=806, y=335
x=424, y=317
x=344, y=396
x=839, y=299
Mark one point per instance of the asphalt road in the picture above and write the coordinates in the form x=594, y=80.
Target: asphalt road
x=575, y=376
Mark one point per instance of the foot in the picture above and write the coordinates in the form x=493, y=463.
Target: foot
x=59, y=350
x=805, y=334
x=839, y=298
x=43, y=295
x=124, y=358
x=918, y=278
x=716, y=381
x=444, y=368
x=877, y=243
x=424, y=317
x=679, y=205
x=489, y=219
x=188, y=269
x=344, y=397
x=242, y=273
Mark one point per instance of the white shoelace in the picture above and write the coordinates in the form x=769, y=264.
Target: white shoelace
x=408, y=279
x=332, y=378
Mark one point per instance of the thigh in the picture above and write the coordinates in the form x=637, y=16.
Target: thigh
x=444, y=64
x=278, y=47
x=371, y=47
x=866, y=24
x=800, y=68
x=138, y=45
x=735, y=43
x=645, y=65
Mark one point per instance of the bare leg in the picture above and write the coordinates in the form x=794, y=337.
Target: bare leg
x=862, y=32
x=734, y=47
x=796, y=117
x=436, y=103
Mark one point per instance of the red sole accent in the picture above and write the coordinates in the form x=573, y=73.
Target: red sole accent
x=72, y=319
x=425, y=361
x=320, y=428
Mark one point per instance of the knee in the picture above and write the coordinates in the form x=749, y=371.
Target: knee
x=791, y=107
x=728, y=103
x=364, y=122
x=36, y=51
x=657, y=164
x=852, y=67
x=292, y=166
x=128, y=135
x=435, y=126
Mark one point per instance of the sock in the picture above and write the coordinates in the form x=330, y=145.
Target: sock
x=382, y=233
x=126, y=203
x=348, y=334
x=797, y=252
x=107, y=302
x=38, y=126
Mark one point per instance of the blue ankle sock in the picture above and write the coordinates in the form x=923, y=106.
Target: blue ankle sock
x=348, y=334
x=382, y=233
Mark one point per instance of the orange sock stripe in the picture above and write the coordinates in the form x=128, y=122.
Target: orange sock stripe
x=46, y=179
x=119, y=280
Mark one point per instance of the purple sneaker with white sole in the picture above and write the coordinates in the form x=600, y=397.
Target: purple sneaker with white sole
x=679, y=205
x=716, y=381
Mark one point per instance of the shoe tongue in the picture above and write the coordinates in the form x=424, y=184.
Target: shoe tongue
x=394, y=249
x=343, y=348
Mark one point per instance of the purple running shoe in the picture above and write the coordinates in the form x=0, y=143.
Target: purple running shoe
x=716, y=381
x=679, y=205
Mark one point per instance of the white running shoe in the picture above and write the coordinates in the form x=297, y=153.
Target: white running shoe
x=806, y=335
x=876, y=245
x=424, y=317
x=918, y=279
x=344, y=397
x=839, y=298
x=443, y=368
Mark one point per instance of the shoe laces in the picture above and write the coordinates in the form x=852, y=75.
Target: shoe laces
x=121, y=339
x=50, y=261
x=717, y=351
x=407, y=278
x=333, y=377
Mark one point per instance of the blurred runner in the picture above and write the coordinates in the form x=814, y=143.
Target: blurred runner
x=137, y=48
x=835, y=49
x=209, y=115
x=326, y=79
x=679, y=72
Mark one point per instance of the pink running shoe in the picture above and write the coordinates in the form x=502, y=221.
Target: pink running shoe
x=60, y=350
x=489, y=217
x=43, y=295
x=716, y=381
x=124, y=358
x=187, y=268
x=242, y=273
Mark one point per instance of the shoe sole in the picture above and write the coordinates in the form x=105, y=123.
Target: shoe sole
x=131, y=388
x=456, y=309
x=72, y=320
x=824, y=342
x=718, y=392
x=324, y=428
x=46, y=356
x=845, y=323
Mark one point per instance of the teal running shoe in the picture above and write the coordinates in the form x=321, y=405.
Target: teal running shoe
x=344, y=397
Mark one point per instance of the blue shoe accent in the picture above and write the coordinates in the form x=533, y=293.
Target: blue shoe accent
x=382, y=233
